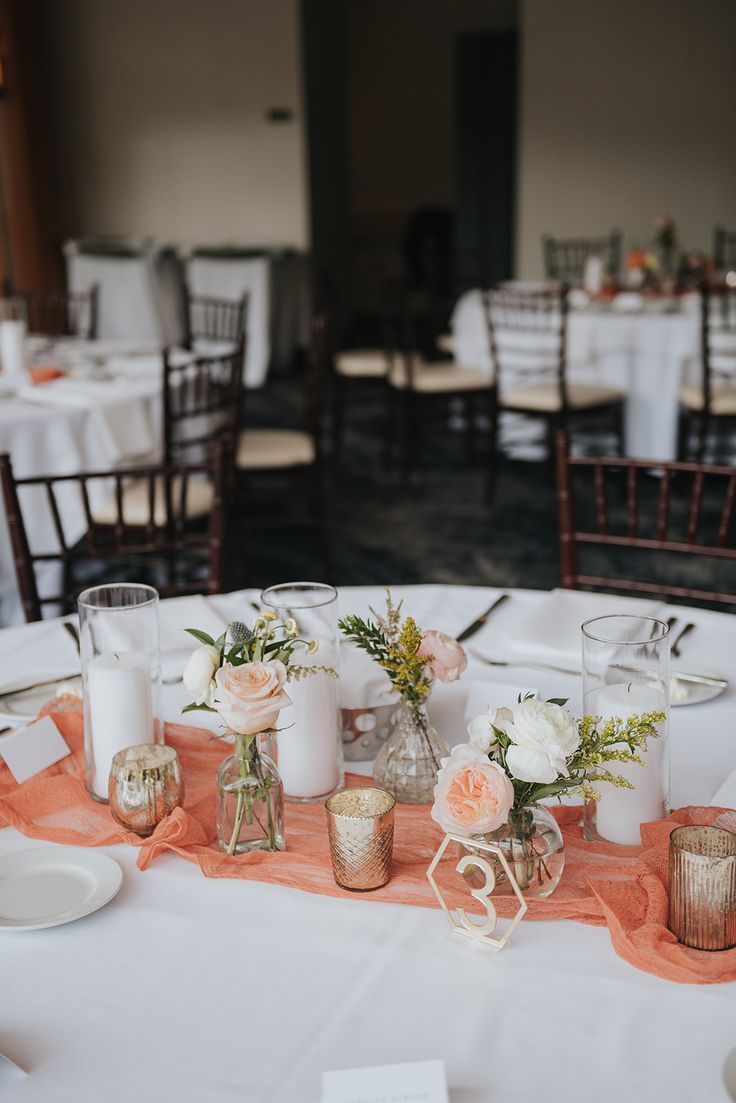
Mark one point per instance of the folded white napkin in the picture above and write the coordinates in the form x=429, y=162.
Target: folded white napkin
x=726, y=795
x=179, y=613
x=432, y=606
x=488, y=696
x=45, y=654
x=552, y=630
x=121, y=418
x=363, y=684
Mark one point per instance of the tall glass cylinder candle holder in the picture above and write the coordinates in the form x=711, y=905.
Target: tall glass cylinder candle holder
x=626, y=672
x=121, y=675
x=13, y=338
x=310, y=757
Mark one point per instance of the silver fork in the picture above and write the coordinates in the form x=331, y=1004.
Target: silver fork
x=524, y=664
x=689, y=627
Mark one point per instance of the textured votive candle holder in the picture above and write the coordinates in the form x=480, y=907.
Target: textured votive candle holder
x=702, y=912
x=145, y=786
x=360, y=825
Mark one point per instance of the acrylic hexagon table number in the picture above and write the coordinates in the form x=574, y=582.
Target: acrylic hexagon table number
x=480, y=930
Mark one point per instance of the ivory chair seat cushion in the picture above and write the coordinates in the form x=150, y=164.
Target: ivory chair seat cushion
x=136, y=506
x=362, y=364
x=545, y=397
x=260, y=449
x=722, y=399
x=440, y=378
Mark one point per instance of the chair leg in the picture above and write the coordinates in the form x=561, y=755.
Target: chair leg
x=409, y=431
x=702, y=436
x=469, y=412
x=621, y=429
x=389, y=429
x=316, y=493
x=338, y=413
x=489, y=495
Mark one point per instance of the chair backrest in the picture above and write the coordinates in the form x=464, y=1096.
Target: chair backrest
x=202, y=401
x=63, y=313
x=724, y=249
x=644, y=509
x=564, y=258
x=718, y=339
x=186, y=560
x=527, y=337
x=211, y=319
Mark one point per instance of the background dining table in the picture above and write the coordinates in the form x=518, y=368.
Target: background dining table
x=192, y=989
x=647, y=353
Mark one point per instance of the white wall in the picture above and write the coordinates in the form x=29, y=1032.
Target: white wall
x=627, y=111
x=160, y=105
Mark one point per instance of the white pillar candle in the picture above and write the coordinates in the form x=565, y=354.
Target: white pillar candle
x=308, y=737
x=593, y=275
x=620, y=812
x=13, y=347
x=120, y=709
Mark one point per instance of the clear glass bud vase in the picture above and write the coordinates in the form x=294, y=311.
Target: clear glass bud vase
x=532, y=843
x=409, y=761
x=250, y=801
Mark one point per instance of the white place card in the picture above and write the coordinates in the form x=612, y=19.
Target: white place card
x=27, y=751
x=415, y=1082
x=11, y=1067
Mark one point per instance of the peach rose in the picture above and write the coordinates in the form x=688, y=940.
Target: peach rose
x=444, y=656
x=472, y=795
x=249, y=697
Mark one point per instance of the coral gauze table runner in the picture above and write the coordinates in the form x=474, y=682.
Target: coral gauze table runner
x=623, y=888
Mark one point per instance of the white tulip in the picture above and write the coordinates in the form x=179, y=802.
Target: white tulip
x=543, y=736
x=199, y=674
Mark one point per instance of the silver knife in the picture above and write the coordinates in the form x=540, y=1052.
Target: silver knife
x=39, y=685
x=478, y=624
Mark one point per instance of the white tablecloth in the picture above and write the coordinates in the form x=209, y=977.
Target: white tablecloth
x=200, y=990
x=72, y=425
x=646, y=355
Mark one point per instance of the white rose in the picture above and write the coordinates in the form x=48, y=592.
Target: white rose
x=480, y=728
x=199, y=674
x=543, y=736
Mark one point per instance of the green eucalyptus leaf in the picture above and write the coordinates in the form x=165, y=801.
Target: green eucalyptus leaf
x=201, y=636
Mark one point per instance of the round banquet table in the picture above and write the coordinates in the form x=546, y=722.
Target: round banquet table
x=645, y=355
x=197, y=990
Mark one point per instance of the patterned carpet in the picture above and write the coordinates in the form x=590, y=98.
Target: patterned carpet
x=440, y=531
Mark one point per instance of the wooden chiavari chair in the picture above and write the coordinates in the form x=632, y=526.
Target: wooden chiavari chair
x=186, y=561
x=565, y=258
x=687, y=511
x=724, y=249
x=212, y=320
x=714, y=399
x=62, y=313
x=417, y=386
x=201, y=409
x=273, y=453
x=527, y=336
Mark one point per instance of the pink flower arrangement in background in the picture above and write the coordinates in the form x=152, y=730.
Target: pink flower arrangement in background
x=443, y=655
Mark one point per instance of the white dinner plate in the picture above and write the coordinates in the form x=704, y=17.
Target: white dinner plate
x=24, y=706
x=694, y=689
x=51, y=885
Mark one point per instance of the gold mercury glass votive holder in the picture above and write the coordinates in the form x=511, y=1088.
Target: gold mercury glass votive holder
x=702, y=911
x=360, y=825
x=145, y=786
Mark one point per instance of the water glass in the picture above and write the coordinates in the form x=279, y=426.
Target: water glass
x=310, y=756
x=121, y=675
x=626, y=671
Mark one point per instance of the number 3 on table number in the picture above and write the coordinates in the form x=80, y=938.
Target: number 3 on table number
x=479, y=930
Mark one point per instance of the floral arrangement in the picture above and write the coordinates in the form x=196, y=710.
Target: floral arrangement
x=516, y=758
x=241, y=676
x=411, y=657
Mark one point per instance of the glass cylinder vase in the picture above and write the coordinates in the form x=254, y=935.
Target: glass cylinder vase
x=13, y=323
x=310, y=757
x=626, y=672
x=532, y=843
x=121, y=675
x=409, y=761
x=250, y=801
